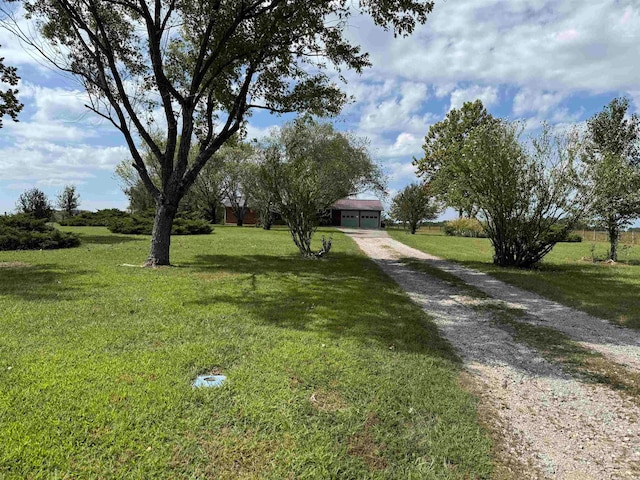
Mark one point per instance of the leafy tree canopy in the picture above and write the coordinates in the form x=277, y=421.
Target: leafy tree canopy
x=442, y=165
x=9, y=104
x=68, y=200
x=34, y=202
x=526, y=192
x=413, y=205
x=612, y=156
x=308, y=166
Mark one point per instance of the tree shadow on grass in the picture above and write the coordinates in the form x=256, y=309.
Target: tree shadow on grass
x=594, y=288
x=342, y=296
x=41, y=283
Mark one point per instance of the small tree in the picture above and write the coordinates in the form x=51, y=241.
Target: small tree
x=205, y=197
x=68, y=200
x=262, y=199
x=414, y=205
x=612, y=156
x=140, y=200
x=527, y=196
x=237, y=177
x=309, y=166
x=34, y=202
x=441, y=166
x=9, y=104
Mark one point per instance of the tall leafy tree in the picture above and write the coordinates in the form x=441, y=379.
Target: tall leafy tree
x=308, y=166
x=414, y=204
x=526, y=192
x=9, y=104
x=443, y=165
x=612, y=156
x=204, y=66
x=68, y=200
x=34, y=202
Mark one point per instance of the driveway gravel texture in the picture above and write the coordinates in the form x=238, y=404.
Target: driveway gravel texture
x=547, y=421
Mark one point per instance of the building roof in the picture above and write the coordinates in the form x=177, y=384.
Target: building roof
x=351, y=204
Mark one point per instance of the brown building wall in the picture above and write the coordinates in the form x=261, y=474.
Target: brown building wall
x=250, y=218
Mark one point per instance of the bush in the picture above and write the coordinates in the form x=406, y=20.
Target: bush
x=25, y=232
x=464, y=227
x=101, y=218
x=183, y=226
x=131, y=225
x=573, y=238
x=559, y=233
x=143, y=225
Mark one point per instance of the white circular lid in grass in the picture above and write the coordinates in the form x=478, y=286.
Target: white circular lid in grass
x=208, y=381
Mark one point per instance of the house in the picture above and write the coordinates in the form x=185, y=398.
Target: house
x=356, y=213
x=250, y=216
x=344, y=213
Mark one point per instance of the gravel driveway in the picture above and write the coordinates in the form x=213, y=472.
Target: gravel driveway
x=547, y=422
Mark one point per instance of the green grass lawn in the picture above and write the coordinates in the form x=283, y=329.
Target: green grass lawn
x=567, y=275
x=332, y=371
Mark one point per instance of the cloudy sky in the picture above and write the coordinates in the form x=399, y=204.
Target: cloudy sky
x=559, y=61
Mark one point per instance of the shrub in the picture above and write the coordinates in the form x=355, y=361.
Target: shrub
x=25, y=232
x=464, y=227
x=143, y=225
x=183, y=226
x=101, y=218
x=573, y=238
x=560, y=233
x=131, y=225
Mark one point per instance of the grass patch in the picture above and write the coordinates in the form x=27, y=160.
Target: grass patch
x=448, y=278
x=332, y=371
x=558, y=348
x=566, y=275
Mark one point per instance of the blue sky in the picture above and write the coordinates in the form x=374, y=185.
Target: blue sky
x=557, y=61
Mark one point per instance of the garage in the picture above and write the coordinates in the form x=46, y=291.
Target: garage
x=370, y=219
x=355, y=213
x=349, y=218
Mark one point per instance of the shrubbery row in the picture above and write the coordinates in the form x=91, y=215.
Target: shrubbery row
x=24, y=232
x=464, y=227
x=471, y=227
x=101, y=218
x=143, y=225
x=118, y=221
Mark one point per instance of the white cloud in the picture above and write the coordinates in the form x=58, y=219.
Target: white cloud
x=397, y=112
x=254, y=132
x=488, y=95
x=56, y=103
x=530, y=100
x=50, y=164
x=403, y=172
x=530, y=43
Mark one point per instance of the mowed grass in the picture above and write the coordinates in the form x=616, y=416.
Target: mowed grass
x=332, y=371
x=567, y=275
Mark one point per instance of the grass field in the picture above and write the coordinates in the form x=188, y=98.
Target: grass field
x=567, y=275
x=332, y=371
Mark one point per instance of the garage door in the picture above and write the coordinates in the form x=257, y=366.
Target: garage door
x=369, y=219
x=349, y=218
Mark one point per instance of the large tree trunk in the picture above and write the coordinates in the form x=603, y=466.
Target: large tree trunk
x=161, y=235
